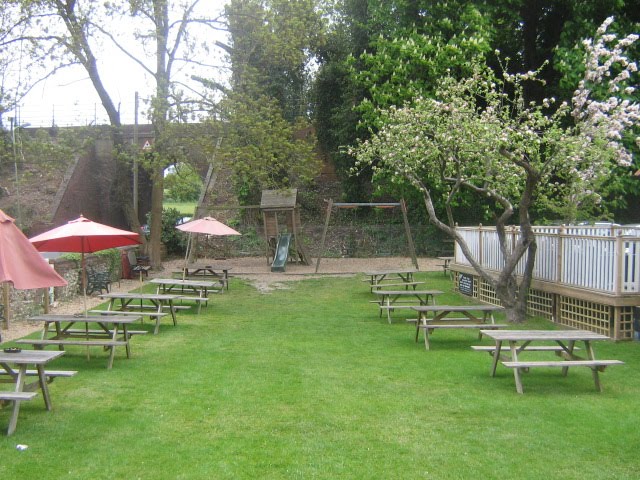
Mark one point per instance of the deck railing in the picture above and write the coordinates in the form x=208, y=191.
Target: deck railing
x=605, y=259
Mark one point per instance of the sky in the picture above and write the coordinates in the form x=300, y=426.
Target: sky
x=68, y=98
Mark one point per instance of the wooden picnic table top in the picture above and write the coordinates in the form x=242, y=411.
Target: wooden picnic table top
x=30, y=357
x=541, y=335
x=140, y=296
x=374, y=273
x=207, y=266
x=22, y=359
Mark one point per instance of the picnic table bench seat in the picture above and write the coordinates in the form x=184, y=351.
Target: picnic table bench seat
x=81, y=332
x=39, y=344
x=531, y=348
x=144, y=313
x=481, y=326
x=593, y=364
x=17, y=396
x=50, y=374
x=398, y=284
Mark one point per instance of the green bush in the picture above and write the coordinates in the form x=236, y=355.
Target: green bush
x=173, y=239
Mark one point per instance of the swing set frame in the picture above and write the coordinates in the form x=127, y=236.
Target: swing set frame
x=403, y=207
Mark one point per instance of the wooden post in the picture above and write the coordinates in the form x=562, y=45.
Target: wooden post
x=618, y=259
x=407, y=230
x=324, y=233
x=480, y=245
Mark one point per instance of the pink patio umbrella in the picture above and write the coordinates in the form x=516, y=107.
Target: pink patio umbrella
x=83, y=236
x=208, y=226
x=20, y=263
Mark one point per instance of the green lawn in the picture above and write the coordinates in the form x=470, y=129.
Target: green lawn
x=309, y=382
x=185, y=208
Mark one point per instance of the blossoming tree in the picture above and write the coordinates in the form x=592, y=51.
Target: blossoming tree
x=479, y=135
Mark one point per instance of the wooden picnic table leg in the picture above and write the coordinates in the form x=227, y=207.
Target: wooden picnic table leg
x=173, y=311
x=42, y=379
x=568, y=349
x=158, y=305
x=496, y=357
x=516, y=371
x=591, y=356
x=419, y=322
x=389, y=302
x=426, y=336
x=13, y=421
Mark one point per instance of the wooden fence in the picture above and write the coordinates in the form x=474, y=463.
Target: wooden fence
x=602, y=259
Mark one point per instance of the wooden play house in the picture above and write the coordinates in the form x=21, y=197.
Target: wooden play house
x=281, y=217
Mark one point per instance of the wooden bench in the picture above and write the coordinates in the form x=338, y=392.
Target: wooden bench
x=396, y=284
x=143, y=313
x=50, y=374
x=600, y=365
x=80, y=332
x=530, y=348
x=16, y=396
x=434, y=326
x=505, y=351
x=62, y=342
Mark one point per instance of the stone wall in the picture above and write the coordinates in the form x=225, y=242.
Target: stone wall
x=25, y=303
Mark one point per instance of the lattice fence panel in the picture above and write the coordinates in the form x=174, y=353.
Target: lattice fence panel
x=625, y=323
x=540, y=303
x=585, y=315
x=486, y=293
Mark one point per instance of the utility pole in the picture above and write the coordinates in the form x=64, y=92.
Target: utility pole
x=135, y=160
x=15, y=169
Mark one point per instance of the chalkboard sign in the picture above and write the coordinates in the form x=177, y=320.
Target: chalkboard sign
x=465, y=284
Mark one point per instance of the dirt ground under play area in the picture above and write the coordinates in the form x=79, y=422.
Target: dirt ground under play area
x=254, y=269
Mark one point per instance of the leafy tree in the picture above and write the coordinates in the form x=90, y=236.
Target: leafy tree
x=266, y=108
x=475, y=136
x=183, y=184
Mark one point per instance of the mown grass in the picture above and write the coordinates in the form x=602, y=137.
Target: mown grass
x=185, y=208
x=309, y=382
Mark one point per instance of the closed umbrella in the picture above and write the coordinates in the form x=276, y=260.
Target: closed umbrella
x=20, y=263
x=83, y=236
x=208, y=226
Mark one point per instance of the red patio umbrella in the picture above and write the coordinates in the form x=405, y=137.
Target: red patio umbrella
x=21, y=264
x=208, y=226
x=83, y=236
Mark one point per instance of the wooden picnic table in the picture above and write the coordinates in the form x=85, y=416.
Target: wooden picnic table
x=395, y=299
x=107, y=332
x=197, y=290
x=17, y=376
x=439, y=319
x=446, y=263
x=208, y=271
x=520, y=341
x=403, y=275
x=136, y=302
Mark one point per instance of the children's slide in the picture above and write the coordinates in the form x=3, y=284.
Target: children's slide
x=282, y=253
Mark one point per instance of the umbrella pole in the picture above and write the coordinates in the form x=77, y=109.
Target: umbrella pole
x=83, y=266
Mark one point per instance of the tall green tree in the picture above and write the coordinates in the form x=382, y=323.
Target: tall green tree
x=266, y=108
